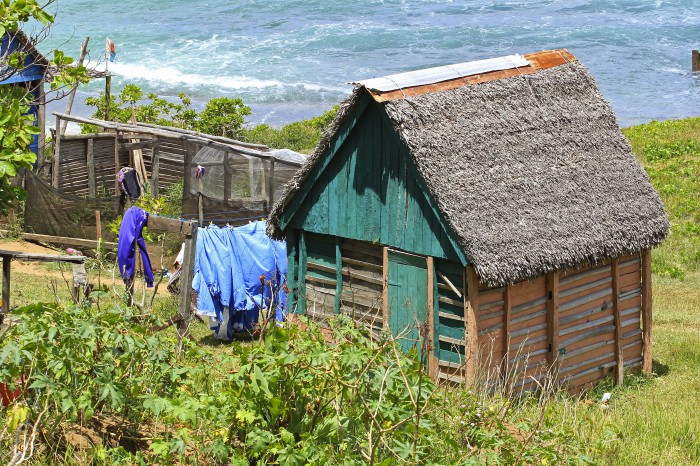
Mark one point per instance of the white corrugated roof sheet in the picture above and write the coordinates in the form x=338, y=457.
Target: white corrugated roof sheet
x=442, y=73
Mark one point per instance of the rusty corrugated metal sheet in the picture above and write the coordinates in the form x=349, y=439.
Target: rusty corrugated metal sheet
x=537, y=61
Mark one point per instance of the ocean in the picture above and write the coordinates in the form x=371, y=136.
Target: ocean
x=290, y=60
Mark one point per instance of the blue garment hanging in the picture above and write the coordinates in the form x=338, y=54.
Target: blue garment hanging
x=229, y=264
x=130, y=235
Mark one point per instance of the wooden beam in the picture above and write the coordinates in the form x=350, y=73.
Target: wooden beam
x=56, y=161
x=507, y=305
x=449, y=284
x=90, y=161
x=695, y=66
x=619, y=355
x=385, y=287
x=646, y=311
x=172, y=225
x=471, y=309
x=338, y=275
x=66, y=241
x=185, y=307
x=553, y=318
x=430, y=347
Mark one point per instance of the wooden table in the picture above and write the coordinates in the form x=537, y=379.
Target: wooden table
x=8, y=256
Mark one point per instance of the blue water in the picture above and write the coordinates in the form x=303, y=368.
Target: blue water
x=292, y=59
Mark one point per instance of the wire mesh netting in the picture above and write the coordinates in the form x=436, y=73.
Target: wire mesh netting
x=48, y=211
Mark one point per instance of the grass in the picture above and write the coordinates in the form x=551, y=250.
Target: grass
x=670, y=153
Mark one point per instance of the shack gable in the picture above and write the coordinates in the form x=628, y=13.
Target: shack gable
x=370, y=190
x=34, y=62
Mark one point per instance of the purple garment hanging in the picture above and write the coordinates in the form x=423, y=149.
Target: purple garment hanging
x=130, y=235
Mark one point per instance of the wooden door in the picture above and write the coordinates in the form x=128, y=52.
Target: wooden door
x=407, y=297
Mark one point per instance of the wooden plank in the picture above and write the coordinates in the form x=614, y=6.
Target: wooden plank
x=471, y=306
x=358, y=263
x=619, y=355
x=646, y=311
x=28, y=256
x=90, y=156
x=385, y=290
x=553, y=316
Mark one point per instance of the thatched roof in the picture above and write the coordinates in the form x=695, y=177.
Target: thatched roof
x=530, y=171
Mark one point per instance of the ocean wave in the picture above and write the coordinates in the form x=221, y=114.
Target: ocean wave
x=175, y=77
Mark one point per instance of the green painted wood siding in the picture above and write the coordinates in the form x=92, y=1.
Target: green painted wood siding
x=370, y=191
x=408, y=298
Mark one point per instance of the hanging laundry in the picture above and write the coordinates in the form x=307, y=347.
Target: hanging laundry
x=229, y=265
x=130, y=236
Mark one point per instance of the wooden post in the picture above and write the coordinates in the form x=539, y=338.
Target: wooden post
x=187, y=180
x=72, y=92
x=41, y=123
x=430, y=336
x=117, y=163
x=155, y=171
x=619, y=356
x=385, y=287
x=301, y=299
x=471, y=311
x=185, y=308
x=6, y=263
x=292, y=264
x=56, y=155
x=338, y=275
x=98, y=233
x=646, y=311
x=696, y=60
x=271, y=185
x=92, y=187
x=108, y=92
x=507, y=305
x=553, y=318
x=200, y=208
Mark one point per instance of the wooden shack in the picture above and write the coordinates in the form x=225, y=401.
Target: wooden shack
x=494, y=205
x=31, y=77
